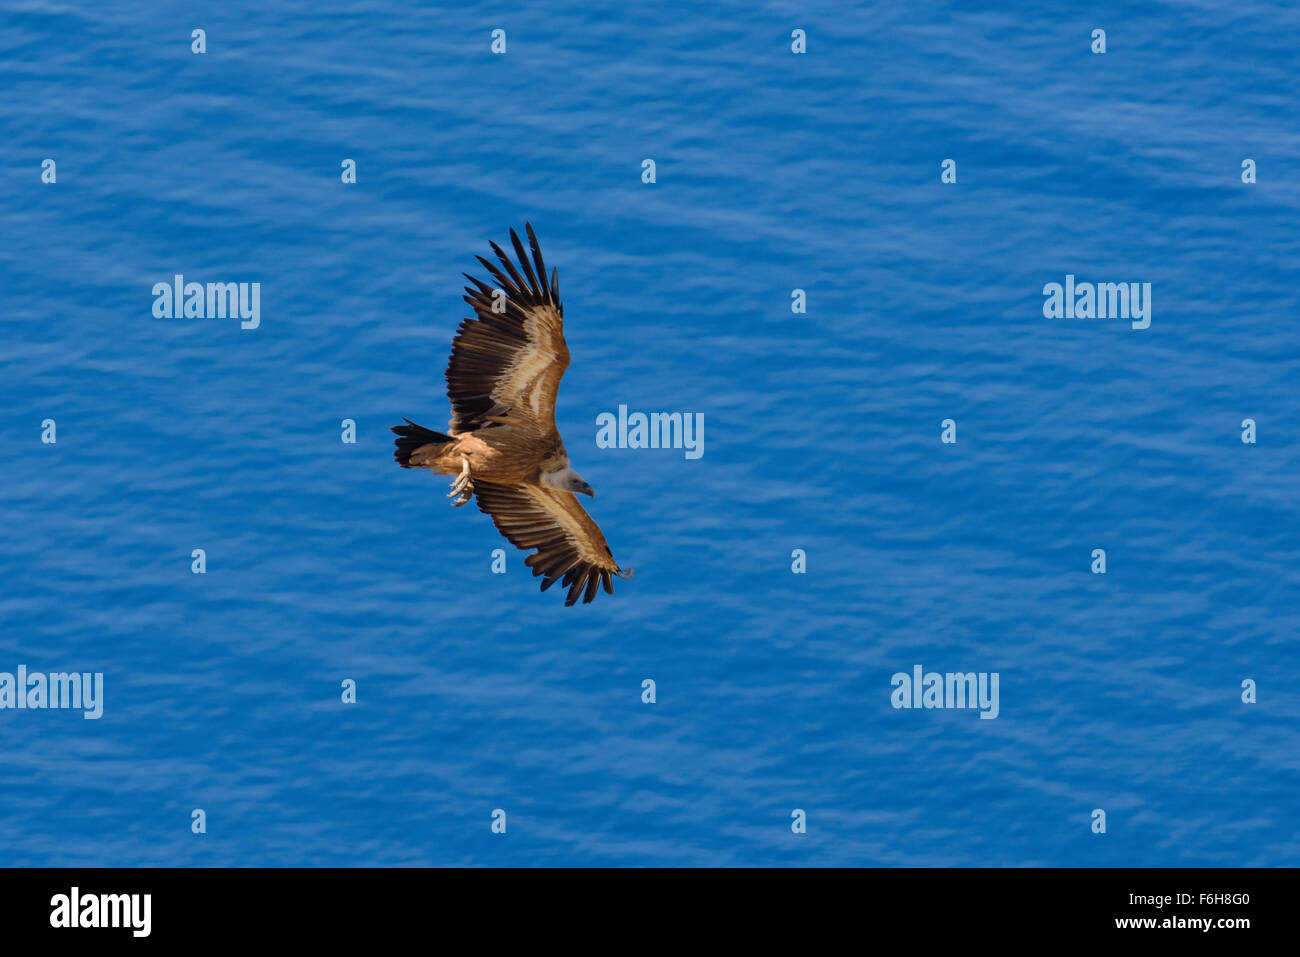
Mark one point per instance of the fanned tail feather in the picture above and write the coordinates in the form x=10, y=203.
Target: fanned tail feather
x=416, y=445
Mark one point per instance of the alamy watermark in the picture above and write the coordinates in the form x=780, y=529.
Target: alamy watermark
x=1102, y=300
x=179, y=299
x=35, y=690
x=655, y=430
x=75, y=909
x=951, y=690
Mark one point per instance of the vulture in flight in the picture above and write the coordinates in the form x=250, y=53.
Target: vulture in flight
x=502, y=444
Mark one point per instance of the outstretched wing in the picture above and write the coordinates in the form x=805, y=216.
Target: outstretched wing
x=514, y=358
x=570, y=547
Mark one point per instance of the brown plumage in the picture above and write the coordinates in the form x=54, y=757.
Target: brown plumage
x=502, y=379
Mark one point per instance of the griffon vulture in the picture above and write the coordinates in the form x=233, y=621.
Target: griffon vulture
x=502, y=444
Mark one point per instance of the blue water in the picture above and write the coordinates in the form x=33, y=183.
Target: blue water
x=775, y=171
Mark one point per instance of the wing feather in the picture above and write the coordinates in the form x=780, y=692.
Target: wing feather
x=511, y=359
x=568, y=542
x=537, y=258
x=533, y=287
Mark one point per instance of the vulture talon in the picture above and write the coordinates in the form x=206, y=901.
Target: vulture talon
x=462, y=486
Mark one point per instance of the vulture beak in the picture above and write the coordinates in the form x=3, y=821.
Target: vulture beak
x=585, y=489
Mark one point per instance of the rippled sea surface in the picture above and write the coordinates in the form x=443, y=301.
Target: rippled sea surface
x=775, y=172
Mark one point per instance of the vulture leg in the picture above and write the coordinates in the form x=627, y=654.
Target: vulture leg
x=462, y=486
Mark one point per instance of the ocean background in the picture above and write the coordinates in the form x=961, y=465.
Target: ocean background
x=775, y=171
